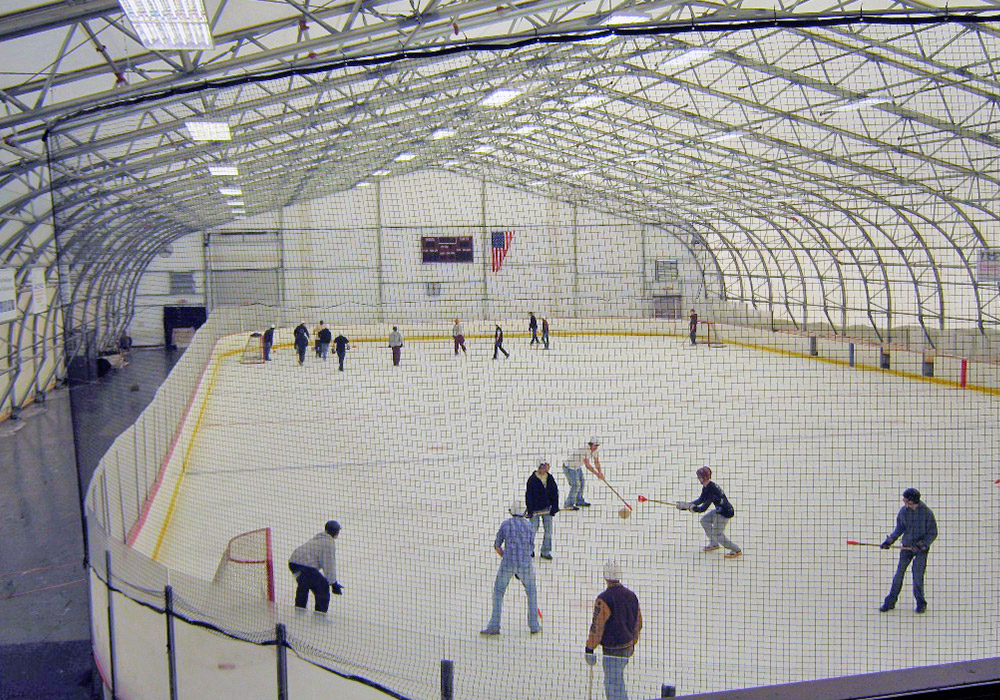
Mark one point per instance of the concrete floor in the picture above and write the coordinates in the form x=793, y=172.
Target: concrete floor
x=45, y=629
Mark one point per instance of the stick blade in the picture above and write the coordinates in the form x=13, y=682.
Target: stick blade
x=642, y=499
x=853, y=542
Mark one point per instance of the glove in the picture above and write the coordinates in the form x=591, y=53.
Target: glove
x=555, y=509
x=683, y=505
x=337, y=588
x=590, y=657
x=885, y=545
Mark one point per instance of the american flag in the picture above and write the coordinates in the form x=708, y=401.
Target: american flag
x=501, y=244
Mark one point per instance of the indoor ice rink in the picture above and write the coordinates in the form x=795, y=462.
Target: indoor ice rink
x=763, y=238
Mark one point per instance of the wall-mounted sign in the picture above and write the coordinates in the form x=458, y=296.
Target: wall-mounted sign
x=8, y=294
x=39, y=293
x=988, y=269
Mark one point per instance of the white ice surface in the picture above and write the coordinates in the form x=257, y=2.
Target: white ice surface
x=419, y=463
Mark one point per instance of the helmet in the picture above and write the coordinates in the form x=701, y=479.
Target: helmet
x=332, y=528
x=704, y=473
x=912, y=495
x=516, y=507
x=612, y=570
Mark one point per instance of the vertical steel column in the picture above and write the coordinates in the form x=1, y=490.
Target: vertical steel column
x=206, y=268
x=281, y=258
x=378, y=247
x=487, y=243
x=111, y=627
x=168, y=597
x=576, y=267
x=645, y=275
x=281, y=642
x=447, y=679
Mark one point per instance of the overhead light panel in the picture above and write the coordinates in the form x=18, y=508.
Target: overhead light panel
x=582, y=171
x=687, y=58
x=364, y=183
x=404, y=156
x=230, y=191
x=443, y=133
x=173, y=25
x=223, y=170
x=236, y=203
x=626, y=17
x=208, y=131
x=861, y=104
x=588, y=101
x=725, y=136
x=483, y=149
x=381, y=172
x=527, y=129
x=499, y=97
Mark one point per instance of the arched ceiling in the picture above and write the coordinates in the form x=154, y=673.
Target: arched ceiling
x=833, y=160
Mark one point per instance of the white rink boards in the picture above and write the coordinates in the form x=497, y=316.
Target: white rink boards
x=420, y=462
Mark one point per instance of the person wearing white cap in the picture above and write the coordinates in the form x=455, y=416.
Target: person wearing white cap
x=515, y=541
x=573, y=469
x=616, y=625
x=268, y=342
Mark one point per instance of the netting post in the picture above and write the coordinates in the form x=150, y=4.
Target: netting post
x=281, y=643
x=667, y=691
x=965, y=372
x=813, y=346
x=111, y=627
x=447, y=679
x=850, y=354
x=883, y=358
x=928, y=365
x=168, y=609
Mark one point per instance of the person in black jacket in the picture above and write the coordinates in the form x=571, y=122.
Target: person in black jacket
x=323, y=339
x=301, y=342
x=541, y=496
x=916, y=523
x=533, y=327
x=498, y=343
x=716, y=521
x=268, y=342
x=342, y=346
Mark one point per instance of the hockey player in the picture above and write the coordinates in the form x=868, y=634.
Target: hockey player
x=514, y=543
x=498, y=343
x=323, y=339
x=615, y=626
x=268, y=342
x=314, y=566
x=541, y=494
x=715, y=522
x=573, y=469
x=458, y=333
x=342, y=345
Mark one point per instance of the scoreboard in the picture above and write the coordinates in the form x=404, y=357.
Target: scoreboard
x=435, y=249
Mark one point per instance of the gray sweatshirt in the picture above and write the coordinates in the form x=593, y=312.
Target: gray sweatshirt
x=395, y=340
x=320, y=553
x=917, y=526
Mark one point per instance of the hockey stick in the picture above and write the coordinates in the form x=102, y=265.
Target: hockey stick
x=643, y=499
x=617, y=494
x=590, y=685
x=872, y=544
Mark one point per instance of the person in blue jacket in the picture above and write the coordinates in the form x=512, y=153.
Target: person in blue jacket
x=916, y=523
x=715, y=522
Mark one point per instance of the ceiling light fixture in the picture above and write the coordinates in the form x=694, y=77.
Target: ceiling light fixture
x=625, y=17
x=364, y=183
x=236, y=203
x=381, y=172
x=223, y=170
x=208, y=131
x=499, y=97
x=861, y=104
x=442, y=133
x=588, y=101
x=173, y=25
x=405, y=156
x=688, y=57
x=230, y=191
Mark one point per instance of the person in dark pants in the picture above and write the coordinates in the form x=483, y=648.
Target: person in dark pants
x=342, y=345
x=302, y=329
x=498, y=343
x=693, y=326
x=615, y=626
x=314, y=566
x=545, y=333
x=533, y=327
x=458, y=334
x=396, y=343
x=916, y=523
x=541, y=495
x=323, y=339
x=301, y=343
x=268, y=342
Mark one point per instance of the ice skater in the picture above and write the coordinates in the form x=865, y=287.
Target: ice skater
x=542, y=498
x=573, y=469
x=458, y=334
x=715, y=522
x=314, y=566
x=498, y=343
x=396, y=343
x=693, y=326
x=268, y=342
x=342, y=345
x=615, y=626
x=515, y=541
x=323, y=339
x=301, y=342
x=545, y=333
x=533, y=327
x=916, y=523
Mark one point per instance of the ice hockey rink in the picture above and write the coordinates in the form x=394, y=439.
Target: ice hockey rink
x=419, y=463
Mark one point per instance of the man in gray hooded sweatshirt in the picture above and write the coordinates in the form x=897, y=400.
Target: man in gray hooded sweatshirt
x=916, y=523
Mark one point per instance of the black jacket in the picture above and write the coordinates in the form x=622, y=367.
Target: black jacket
x=538, y=497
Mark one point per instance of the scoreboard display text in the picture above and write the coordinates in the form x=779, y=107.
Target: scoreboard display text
x=434, y=249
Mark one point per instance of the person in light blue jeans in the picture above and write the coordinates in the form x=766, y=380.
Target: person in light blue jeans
x=615, y=627
x=573, y=469
x=514, y=543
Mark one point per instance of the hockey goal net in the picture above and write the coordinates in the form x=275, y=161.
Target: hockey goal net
x=247, y=567
x=253, y=353
x=708, y=334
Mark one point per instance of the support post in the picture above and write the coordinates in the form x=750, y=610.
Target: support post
x=965, y=372
x=850, y=354
x=447, y=679
x=281, y=644
x=168, y=597
x=813, y=346
x=111, y=627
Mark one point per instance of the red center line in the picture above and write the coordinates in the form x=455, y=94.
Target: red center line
x=12, y=574
x=43, y=588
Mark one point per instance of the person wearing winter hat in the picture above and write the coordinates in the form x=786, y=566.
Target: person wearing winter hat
x=314, y=566
x=573, y=469
x=541, y=495
x=615, y=626
x=713, y=523
x=916, y=523
x=514, y=543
